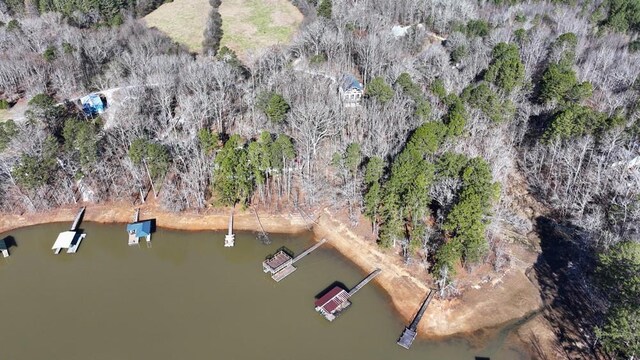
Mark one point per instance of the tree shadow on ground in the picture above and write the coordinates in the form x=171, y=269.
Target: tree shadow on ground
x=572, y=306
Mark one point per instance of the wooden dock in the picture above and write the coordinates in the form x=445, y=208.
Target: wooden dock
x=280, y=264
x=336, y=300
x=230, y=238
x=78, y=220
x=309, y=250
x=364, y=282
x=410, y=332
x=72, y=238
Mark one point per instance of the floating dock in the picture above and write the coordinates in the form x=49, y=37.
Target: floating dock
x=410, y=332
x=230, y=238
x=280, y=264
x=70, y=239
x=331, y=304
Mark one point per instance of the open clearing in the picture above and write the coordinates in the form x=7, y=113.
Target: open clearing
x=182, y=20
x=250, y=25
x=247, y=25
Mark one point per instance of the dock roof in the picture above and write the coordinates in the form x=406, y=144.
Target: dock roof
x=64, y=240
x=332, y=299
x=140, y=228
x=277, y=260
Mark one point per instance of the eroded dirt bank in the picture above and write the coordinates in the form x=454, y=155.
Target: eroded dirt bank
x=488, y=304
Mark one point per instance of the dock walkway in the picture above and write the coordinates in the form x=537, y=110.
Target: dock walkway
x=309, y=250
x=410, y=332
x=280, y=265
x=364, y=282
x=78, y=220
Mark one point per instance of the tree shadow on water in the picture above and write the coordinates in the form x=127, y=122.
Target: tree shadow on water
x=572, y=305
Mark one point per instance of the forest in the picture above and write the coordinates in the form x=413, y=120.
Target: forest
x=522, y=97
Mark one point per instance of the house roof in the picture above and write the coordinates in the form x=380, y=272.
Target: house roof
x=140, y=228
x=92, y=100
x=329, y=296
x=350, y=82
x=3, y=245
x=64, y=240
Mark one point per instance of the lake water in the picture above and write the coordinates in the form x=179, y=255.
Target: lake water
x=188, y=297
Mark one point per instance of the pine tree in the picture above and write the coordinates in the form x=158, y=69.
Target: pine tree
x=325, y=9
x=506, y=70
x=377, y=88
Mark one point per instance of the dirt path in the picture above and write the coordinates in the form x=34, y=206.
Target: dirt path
x=490, y=305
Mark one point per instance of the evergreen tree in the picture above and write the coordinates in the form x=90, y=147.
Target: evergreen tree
x=325, y=9
x=232, y=177
x=456, y=118
x=8, y=130
x=212, y=32
x=154, y=157
x=482, y=97
x=274, y=106
x=34, y=171
x=466, y=221
x=352, y=158
x=380, y=90
x=208, y=140
x=80, y=137
x=506, y=70
x=619, y=274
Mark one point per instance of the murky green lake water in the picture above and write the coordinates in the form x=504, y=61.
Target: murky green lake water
x=188, y=297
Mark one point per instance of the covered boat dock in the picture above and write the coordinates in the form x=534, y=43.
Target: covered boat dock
x=69, y=240
x=138, y=230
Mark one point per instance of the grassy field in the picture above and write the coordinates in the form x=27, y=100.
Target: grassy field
x=182, y=20
x=248, y=25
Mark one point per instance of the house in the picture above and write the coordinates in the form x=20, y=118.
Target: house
x=137, y=230
x=93, y=104
x=351, y=91
x=333, y=302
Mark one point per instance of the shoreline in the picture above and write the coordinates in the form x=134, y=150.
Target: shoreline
x=405, y=285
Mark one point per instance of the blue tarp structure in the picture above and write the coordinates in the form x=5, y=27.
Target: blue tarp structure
x=350, y=82
x=92, y=104
x=141, y=228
